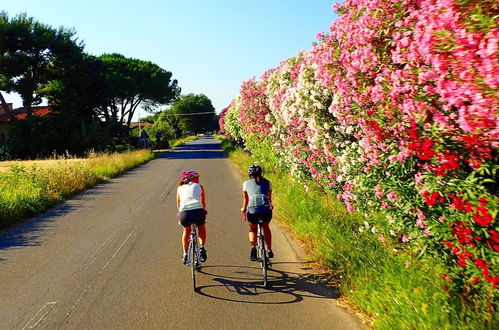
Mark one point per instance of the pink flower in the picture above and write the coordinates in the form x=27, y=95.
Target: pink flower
x=392, y=196
x=382, y=238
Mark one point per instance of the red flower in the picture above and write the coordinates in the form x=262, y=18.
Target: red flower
x=413, y=131
x=494, y=235
x=475, y=280
x=425, y=151
x=461, y=205
x=433, y=198
x=481, y=264
x=448, y=161
x=482, y=216
x=448, y=244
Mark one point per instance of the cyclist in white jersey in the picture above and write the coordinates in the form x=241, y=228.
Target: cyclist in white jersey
x=191, y=204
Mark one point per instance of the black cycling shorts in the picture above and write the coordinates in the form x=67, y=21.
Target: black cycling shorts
x=253, y=218
x=189, y=217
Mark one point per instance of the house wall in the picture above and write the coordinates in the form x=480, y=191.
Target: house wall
x=4, y=132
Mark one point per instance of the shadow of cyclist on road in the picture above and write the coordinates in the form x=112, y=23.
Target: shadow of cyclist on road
x=244, y=284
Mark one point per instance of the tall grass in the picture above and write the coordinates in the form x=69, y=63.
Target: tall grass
x=389, y=286
x=26, y=191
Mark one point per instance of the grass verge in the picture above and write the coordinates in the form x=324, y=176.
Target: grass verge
x=390, y=287
x=28, y=190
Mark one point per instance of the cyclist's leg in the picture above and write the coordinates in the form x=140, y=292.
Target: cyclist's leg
x=253, y=238
x=202, y=234
x=185, y=238
x=200, y=220
x=253, y=228
x=268, y=233
x=184, y=220
x=268, y=236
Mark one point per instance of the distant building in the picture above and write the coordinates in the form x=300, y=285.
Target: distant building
x=135, y=124
x=19, y=113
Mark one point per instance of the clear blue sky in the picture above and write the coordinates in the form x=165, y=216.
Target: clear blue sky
x=210, y=46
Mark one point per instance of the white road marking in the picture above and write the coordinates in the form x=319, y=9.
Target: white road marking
x=101, y=271
x=104, y=245
x=43, y=311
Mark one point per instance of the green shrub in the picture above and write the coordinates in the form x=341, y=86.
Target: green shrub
x=390, y=285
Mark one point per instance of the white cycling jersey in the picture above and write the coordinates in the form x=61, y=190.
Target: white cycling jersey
x=190, y=196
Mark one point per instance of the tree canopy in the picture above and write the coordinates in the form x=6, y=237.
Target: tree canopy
x=133, y=82
x=195, y=113
x=32, y=54
x=92, y=98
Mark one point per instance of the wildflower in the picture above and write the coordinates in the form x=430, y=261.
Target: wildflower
x=482, y=216
x=433, y=198
x=392, y=196
x=382, y=238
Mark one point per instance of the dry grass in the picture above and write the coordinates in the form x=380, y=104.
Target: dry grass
x=30, y=187
x=6, y=166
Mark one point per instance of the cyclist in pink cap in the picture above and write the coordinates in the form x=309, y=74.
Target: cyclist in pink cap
x=191, y=204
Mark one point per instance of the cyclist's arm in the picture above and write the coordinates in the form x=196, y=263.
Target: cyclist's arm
x=245, y=202
x=178, y=200
x=203, y=198
x=270, y=195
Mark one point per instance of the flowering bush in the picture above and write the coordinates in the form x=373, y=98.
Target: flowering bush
x=395, y=110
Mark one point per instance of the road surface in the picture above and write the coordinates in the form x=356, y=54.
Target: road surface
x=110, y=258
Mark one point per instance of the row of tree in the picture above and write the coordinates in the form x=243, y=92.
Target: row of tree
x=189, y=114
x=92, y=98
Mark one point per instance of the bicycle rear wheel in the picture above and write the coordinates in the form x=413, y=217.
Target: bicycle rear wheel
x=193, y=261
x=264, y=261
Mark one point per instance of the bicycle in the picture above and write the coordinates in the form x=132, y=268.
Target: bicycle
x=262, y=254
x=193, y=254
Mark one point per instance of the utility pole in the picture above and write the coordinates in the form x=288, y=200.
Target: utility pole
x=140, y=128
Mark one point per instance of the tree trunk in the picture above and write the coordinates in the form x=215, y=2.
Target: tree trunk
x=133, y=107
x=28, y=108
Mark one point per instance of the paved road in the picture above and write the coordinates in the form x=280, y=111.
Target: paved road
x=110, y=258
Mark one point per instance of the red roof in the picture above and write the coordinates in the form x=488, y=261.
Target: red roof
x=20, y=113
x=142, y=124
